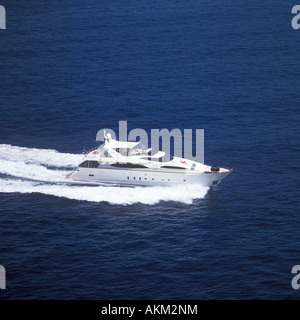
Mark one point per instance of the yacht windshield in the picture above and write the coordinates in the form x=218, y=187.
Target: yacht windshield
x=138, y=150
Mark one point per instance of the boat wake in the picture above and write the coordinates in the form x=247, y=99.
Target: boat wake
x=30, y=170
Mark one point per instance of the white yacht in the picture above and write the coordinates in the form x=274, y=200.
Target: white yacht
x=128, y=164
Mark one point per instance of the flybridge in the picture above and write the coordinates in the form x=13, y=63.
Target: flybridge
x=182, y=140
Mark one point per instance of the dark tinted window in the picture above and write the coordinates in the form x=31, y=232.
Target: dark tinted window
x=89, y=164
x=93, y=164
x=84, y=164
x=127, y=165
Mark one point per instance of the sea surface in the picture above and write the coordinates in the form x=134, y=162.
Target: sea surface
x=71, y=68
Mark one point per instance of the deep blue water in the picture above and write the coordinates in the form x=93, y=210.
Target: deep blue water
x=72, y=68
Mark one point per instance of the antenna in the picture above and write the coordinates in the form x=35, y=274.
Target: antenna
x=94, y=141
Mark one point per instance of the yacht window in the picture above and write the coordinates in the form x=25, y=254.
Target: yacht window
x=89, y=164
x=93, y=164
x=84, y=164
x=127, y=165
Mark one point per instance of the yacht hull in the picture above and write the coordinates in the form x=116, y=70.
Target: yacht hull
x=142, y=177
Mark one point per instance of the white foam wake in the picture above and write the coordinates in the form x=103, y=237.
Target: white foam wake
x=25, y=170
x=113, y=195
x=31, y=171
x=38, y=156
x=31, y=163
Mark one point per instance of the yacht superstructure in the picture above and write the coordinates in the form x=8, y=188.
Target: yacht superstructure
x=127, y=163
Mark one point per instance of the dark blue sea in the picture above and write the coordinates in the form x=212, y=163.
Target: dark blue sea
x=70, y=68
